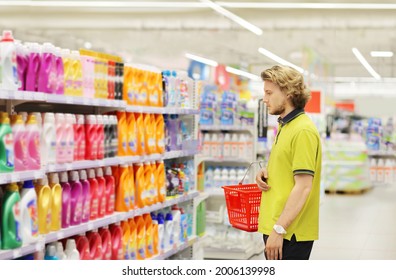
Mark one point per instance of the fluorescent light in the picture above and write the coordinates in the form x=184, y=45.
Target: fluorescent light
x=381, y=54
x=280, y=60
x=327, y=6
x=202, y=59
x=103, y=4
x=362, y=80
x=242, y=73
x=256, y=30
x=366, y=65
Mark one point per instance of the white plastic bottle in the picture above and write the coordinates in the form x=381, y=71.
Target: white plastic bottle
x=234, y=145
x=48, y=134
x=73, y=120
x=373, y=170
x=224, y=177
x=71, y=250
x=242, y=146
x=61, y=139
x=215, y=145
x=29, y=219
x=8, y=62
x=176, y=215
x=232, y=177
x=161, y=232
x=227, y=145
x=380, y=170
x=69, y=133
x=209, y=178
x=249, y=146
x=168, y=236
x=60, y=254
x=240, y=174
x=207, y=144
x=388, y=172
x=216, y=178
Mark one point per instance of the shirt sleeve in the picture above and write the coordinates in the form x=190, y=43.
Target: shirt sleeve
x=305, y=147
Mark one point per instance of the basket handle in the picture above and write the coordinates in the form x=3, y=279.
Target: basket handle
x=247, y=170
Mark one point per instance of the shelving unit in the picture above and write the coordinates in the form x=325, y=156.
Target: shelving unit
x=12, y=99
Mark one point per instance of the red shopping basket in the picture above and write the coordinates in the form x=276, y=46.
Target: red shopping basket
x=243, y=204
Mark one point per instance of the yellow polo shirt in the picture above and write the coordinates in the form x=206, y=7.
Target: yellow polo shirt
x=296, y=150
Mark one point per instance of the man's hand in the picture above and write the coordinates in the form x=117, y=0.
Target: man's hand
x=261, y=179
x=274, y=246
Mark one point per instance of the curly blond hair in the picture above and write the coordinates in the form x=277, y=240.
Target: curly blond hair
x=291, y=82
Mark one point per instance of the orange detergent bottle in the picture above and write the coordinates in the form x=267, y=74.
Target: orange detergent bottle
x=126, y=235
x=131, y=134
x=140, y=185
x=140, y=148
x=132, y=239
x=149, y=235
x=122, y=129
x=122, y=203
x=141, y=238
x=159, y=133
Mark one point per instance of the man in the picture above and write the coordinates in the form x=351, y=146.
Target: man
x=289, y=210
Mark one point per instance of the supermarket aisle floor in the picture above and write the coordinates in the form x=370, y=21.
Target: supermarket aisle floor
x=357, y=227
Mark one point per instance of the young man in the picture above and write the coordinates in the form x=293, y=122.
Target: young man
x=289, y=210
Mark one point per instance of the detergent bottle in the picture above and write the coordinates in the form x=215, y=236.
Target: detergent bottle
x=131, y=187
x=60, y=72
x=101, y=192
x=8, y=63
x=169, y=240
x=159, y=133
x=95, y=245
x=68, y=72
x=149, y=191
x=88, y=65
x=161, y=232
x=20, y=145
x=154, y=222
x=48, y=136
x=69, y=133
x=101, y=136
x=33, y=67
x=116, y=242
x=44, y=205
x=95, y=195
x=140, y=135
x=86, y=196
x=61, y=143
x=140, y=185
x=114, y=136
x=105, y=235
x=29, y=217
x=122, y=130
x=74, y=127
x=107, y=136
x=22, y=54
x=126, y=235
x=76, y=203
x=143, y=90
x=6, y=144
x=128, y=94
x=56, y=202
x=177, y=229
x=131, y=134
x=83, y=247
x=132, y=239
x=71, y=250
x=149, y=235
x=33, y=143
x=161, y=178
x=76, y=73
x=91, y=137
x=46, y=77
x=66, y=199
x=80, y=137
x=50, y=253
x=11, y=218
x=122, y=203
x=110, y=191
x=149, y=140
x=141, y=238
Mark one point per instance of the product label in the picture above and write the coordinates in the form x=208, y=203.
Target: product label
x=32, y=210
x=9, y=149
x=17, y=212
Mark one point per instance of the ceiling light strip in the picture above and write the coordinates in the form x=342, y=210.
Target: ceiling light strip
x=242, y=73
x=366, y=65
x=256, y=30
x=324, y=6
x=381, y=54
x=103, y=4
x=280, y=60
x=203, y=60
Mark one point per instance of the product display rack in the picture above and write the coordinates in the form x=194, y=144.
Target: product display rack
x=96, y=105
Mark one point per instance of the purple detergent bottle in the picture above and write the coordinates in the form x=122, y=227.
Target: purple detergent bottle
x=60, y=72
x=76, y=198
x=33, y=67
x=47, y=76
x=66, y=199
x=86, y=196
x=22, y=64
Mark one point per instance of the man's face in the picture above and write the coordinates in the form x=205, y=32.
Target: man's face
x=274, y=98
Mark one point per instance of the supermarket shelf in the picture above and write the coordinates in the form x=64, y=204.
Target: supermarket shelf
x=227, y=128
x=74, y=230
x=18, y=176
x=161, y=110
x=345, y=162
x=229, y=254
x=224, y=159
x=168, y=253
x=381, y=153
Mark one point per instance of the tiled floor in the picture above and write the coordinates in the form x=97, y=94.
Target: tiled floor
x=357, y=227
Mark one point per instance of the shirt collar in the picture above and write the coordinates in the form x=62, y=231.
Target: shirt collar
x=291, y=116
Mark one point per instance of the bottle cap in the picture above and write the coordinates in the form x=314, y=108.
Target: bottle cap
x=83, y=175
x=7, y=36
x=54, y=178
x=70, y=244
x=73, y=176
x=108, y=171
x=99, y=172
x=64, y=177
x=28, y=184
x=91, y=173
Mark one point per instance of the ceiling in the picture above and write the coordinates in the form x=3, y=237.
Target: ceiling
x=317, y=39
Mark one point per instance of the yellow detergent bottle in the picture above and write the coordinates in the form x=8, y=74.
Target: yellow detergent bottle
x=141, y=238
x=126, y=235
x=131, y=134
x=68, y=71
x=56, y=202
x=122, y=203
x=132, y=239
x=76, y=69
x=140, y=185
x=44, y=205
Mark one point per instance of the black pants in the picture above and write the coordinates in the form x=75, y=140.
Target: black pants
x=293, y=250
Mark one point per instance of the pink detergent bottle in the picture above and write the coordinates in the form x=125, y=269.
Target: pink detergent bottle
x=33, y=67
x=80, y=137
x=110, y=191
x=73, y=119
x=106, y=243
x=116, y=242
x=69, y=132
x=94, y=195
x=66, y=199
x=46, y=78
x=60, y=72
x=22, y=64
x=91, y=138
x=20, y=145
x=100, y=136
x=60, y=137
x=95, y=245
x=101, y=192
x=86, y=196
x=33, y=143
x=76, y=198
